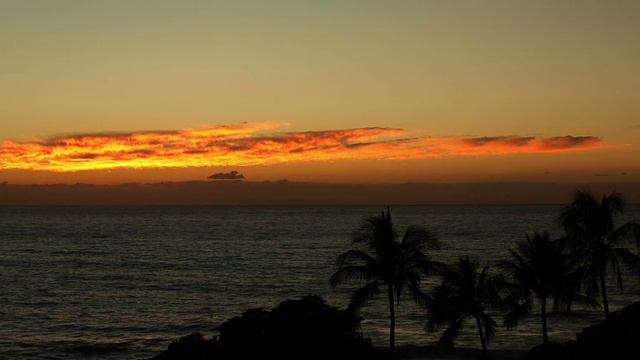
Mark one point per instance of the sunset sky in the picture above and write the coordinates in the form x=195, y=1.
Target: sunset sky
x=371, y=91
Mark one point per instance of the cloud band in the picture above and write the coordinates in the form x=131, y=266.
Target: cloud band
x=241, y=145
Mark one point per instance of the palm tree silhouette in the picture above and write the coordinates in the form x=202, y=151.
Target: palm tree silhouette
x=592, y=237
x=538, y=269
x=466, y=291
x=381, y=260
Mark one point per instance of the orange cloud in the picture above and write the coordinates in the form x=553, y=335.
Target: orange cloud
x=241, y=145
x=515, y=144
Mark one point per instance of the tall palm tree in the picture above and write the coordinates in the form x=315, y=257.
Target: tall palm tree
x=466, y=291
x=593, y=238
x=538, y=269
x=381, y=260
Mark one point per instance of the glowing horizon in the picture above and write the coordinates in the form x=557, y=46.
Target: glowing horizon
x=102, y=92
x=243, y=145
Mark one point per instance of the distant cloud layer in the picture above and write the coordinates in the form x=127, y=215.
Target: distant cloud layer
x=233, y=175
x=241, y=145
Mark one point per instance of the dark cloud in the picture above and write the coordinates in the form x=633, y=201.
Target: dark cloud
x=233, y=175
x=514, y=141
x=568, y=142
x=85, y=156
x=143, y=152
x=195, y=151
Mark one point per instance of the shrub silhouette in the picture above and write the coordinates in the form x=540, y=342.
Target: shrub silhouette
x=190, y=347
x=307, y=328
x=615, y=338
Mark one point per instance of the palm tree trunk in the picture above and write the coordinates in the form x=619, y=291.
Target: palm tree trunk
x=605, y=301
x=543, y=316
x=392, y=325
x=482, y=341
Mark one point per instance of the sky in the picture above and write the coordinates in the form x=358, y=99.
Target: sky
x=109, y=92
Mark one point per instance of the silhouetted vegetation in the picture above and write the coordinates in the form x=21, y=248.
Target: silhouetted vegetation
x=466, y=291
x=593, y=239
x=543, y=269
x=307, y=328
x=616, y=338
x=568, y=270
x=191, y=347
x=384, y=263
x=538, y=269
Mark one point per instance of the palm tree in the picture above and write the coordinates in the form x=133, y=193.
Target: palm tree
x=538, y=269
x=466, y=291
x=380, y=260
x=593, y=238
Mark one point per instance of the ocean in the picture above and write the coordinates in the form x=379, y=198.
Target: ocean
x=124, y=282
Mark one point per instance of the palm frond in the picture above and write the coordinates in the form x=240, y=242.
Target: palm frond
x=629, y=259
x=574, y=298
x=361, y=296
x=419, y=238
x=419, y=297
x=630, y=230
x=354, y=256
x=448, y=337
x=517, y=311
x=489, y=326
x=351, y=273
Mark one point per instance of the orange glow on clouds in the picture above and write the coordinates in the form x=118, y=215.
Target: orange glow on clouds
x=241, y=145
